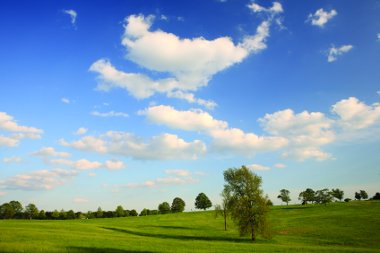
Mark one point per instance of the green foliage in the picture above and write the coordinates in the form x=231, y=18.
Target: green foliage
x=42, y=215
x=347, y=200
x=178, y=205
x=358, y=196
x=247, y=206
x=376, y=196
x=363, y=194
x=31, y=211
x=17, y=207
x=337, y=193
x=144, y=212
x=284, y=196
x=133, y=212
x=70, y=215
x=99, y=213
x=323, y=196
x=202, y=201
x=164, y=208
x=119, y=211
x=55, y=214
x=307, y=196
x=7, y=211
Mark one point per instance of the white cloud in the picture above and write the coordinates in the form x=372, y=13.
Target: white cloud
x=81, y=131
x=84, y=164
x=180, y=179
x=161, y=147
x=257, y=167
x=224, y=137
x=109, y=114
x=189, y=97
x=302, y=154
x=334, y=52
x=80, y=200
x=114, y=165
x=378, y=36
x=275, y=9
x=321, y=17
x=354, y=114
x=39, y=179
x=178, y=173
x=280, y=166
x=18, y=132
x=73, y=15
x=13, y=159
x=50, y=151
x=65, y=100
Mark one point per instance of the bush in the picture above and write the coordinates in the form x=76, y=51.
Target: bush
x=347, y=200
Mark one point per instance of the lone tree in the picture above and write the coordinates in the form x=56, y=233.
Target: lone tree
x=337, y=193
x=284, y=196
x=363, y=194
x=247, y=205
x=164, y=208
x=178, y=205
x=202, y=201
x=358, y=196
x=307, y=196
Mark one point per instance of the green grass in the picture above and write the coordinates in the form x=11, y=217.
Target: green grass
x=337, y=227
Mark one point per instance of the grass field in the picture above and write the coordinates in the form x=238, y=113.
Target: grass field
x=337, y=227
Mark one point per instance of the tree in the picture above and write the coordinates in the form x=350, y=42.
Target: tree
x=247, y=205
x=337, y=193
x=7, y=211
x=323, y=196
x=164, y=208
x=226, y=201
x=358, y=196
x=31, y=211
x=120, y=211
x=17, y=207
x=307, y=196
x=202, y=201
x=55, y=214
x=133, y=212
x=376, y=196
x=99, y=213
x=63, y=214
x=70, y=215
x=144, y=212
x=178, y=205
x=42, y=215
x=363, y=194
x=284, y=196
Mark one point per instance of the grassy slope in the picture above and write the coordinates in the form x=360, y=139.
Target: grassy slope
x=340, y=227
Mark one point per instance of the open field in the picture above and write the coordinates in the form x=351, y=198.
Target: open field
x=338, y=227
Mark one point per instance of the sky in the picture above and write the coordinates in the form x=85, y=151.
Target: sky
x=134, y=103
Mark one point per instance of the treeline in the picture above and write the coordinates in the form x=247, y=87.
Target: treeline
x=15, y=210
x=323, y=196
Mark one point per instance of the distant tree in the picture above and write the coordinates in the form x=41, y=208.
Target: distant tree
x=42, y=215
x=153, y=212
x=323, y=196
x=376, y=196
x=55, y=214
x=31, y=211
x=108, y=214
x=7, y=211
x=164, y=208
x=133, y=212
x=144, y=212
x=202, y=201
x=90, y=215
x=307, y=196
x=70, y=215
x=269, y=202
x=80, y=215
x=363, y=194
x=127, y=213
x=17, y=207
x=358, y=196
x=99, y=213
x=120, y=211
x=337, y=193
x=347, y=200
x=62, y=214
x=284, y=196
x=247, y=205
x=178, y=205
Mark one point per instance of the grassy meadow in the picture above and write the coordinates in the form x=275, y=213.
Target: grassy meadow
x=337, y=227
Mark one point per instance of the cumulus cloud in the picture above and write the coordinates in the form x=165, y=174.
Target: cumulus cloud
x=73, y=15
x=81, y=131
x=50, y=151
x=84, y=164
x=109, y=114
x=321, y=17
x=161, y=147
x=179, y=173
x=224, y=137
x=114, y=165
x=13, y=159
x=16, y=132
x=39, y=179
x=190, y=63
x=65, y=100
x=258, y=167
x=354, y=114
x=275, y=9
x=334, y=52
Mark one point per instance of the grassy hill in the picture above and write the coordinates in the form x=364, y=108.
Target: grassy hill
x=337, y=227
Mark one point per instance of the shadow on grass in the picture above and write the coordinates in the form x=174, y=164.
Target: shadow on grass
x=167, y=227
x=103, y=250
x=181, y=237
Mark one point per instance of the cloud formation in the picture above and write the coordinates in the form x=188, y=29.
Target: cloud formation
x=17, y=132
x=13, y=159
x=334, y=52
x=161, y=147
x=321, y=17
x=73, y=15
x=109, y=114
x=81, y=131
x=258, y=167
x=50, y=151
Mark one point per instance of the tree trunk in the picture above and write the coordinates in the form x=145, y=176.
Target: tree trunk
x=225, y=221
x=253, y=233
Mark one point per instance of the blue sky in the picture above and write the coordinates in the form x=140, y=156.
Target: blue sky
x=138, y=102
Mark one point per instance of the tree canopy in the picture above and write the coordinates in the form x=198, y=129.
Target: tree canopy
x=202, y=201
x=164, y=208
x=284, y=196
x=178, y=205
